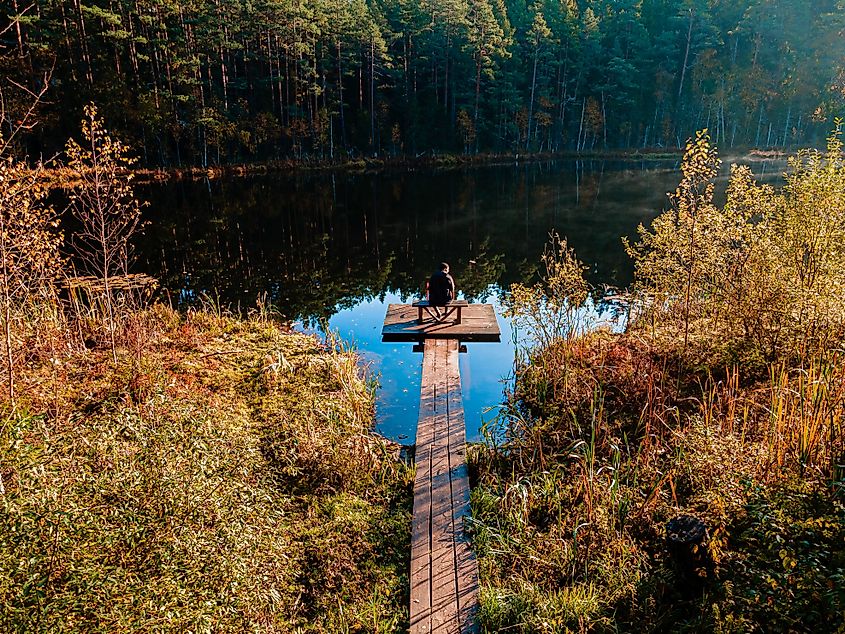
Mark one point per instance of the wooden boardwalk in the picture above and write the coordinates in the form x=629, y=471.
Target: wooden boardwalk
x=444, y=572
x=478, y=323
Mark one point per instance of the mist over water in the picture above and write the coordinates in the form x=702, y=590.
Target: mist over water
x=332, y=249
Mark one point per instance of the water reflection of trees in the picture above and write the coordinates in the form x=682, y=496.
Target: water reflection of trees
x=481, y=273
x=316, y=243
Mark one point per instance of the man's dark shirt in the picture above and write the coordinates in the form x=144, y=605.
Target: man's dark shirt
x=441, y=289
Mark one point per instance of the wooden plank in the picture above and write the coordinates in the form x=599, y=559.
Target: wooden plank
x=444, y=572
x=421, y=524
x=421, y=547
x=478, y=323
x=444, y=593
x=466, y=566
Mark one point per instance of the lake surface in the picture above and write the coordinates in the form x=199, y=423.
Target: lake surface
x=332, y=249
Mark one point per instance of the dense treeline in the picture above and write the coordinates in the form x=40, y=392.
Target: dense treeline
x=203, y=82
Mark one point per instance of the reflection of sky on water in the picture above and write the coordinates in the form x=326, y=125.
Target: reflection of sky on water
x=486, y=369
x=317, y=245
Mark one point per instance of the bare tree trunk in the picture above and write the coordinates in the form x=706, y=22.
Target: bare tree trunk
x=106, y=254
x=67, y=42
x=531, y=101
x=373, y=94
x=286, y=101
x=272, y=78
x=604, y=120
x=224, y=78
x=83, y=37
x=477, y=92
x=18, y=31
x=7, y=313
x=686, y=55
x=563, y=89
x=786, y=125
x=340, y=95
x=578, y=145
x=446, y=77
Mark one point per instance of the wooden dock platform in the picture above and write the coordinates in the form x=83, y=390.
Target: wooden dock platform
x=478, y=323
x=444, y=572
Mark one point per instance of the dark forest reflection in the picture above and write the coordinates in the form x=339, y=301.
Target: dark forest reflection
x=317, y=243
x=334, y=248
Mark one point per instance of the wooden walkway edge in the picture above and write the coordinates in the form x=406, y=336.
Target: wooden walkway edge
x=444, y=572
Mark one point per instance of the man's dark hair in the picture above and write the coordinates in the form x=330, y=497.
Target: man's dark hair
x=444, y=266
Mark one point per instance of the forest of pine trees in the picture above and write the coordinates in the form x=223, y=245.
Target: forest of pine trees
x=215, y=81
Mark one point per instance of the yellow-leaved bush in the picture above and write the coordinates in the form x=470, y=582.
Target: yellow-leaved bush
x=765, y=273
x=29, y=249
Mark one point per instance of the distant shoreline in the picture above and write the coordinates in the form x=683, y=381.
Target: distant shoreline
x=370, y=165
x=367, y=164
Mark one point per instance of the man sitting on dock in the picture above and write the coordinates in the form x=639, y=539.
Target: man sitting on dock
x=441, y=288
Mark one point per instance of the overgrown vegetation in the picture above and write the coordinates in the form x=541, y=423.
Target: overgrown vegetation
x=29, y=241
x=177, y=472
x=765, y=275
x=724, y=401
x=29, y=251
x=221, y=477
x=104, y=205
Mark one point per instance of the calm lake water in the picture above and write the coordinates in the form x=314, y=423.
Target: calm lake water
x=333, y=249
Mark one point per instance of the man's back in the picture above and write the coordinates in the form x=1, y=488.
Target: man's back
x=441, y=289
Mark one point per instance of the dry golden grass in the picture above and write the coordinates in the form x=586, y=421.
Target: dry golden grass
x=606, y=440
x=222, y=476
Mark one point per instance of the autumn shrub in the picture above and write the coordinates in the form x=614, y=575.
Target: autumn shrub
x=549, y=311
x=760, y=278
x=104, y=205
x=723, y=401
x=757, y=286
x=29, y=255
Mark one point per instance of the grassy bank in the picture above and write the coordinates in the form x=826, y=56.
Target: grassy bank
x=221, y=476
x=571, y=505
x=721, y=407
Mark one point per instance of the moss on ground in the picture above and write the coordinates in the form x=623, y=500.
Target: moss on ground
x=221, y=477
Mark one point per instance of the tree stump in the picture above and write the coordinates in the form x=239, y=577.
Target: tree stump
x=685, y=539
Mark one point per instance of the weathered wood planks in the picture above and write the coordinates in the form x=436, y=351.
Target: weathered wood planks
x=444, y=572
x=478, y=323
x=428, y=312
